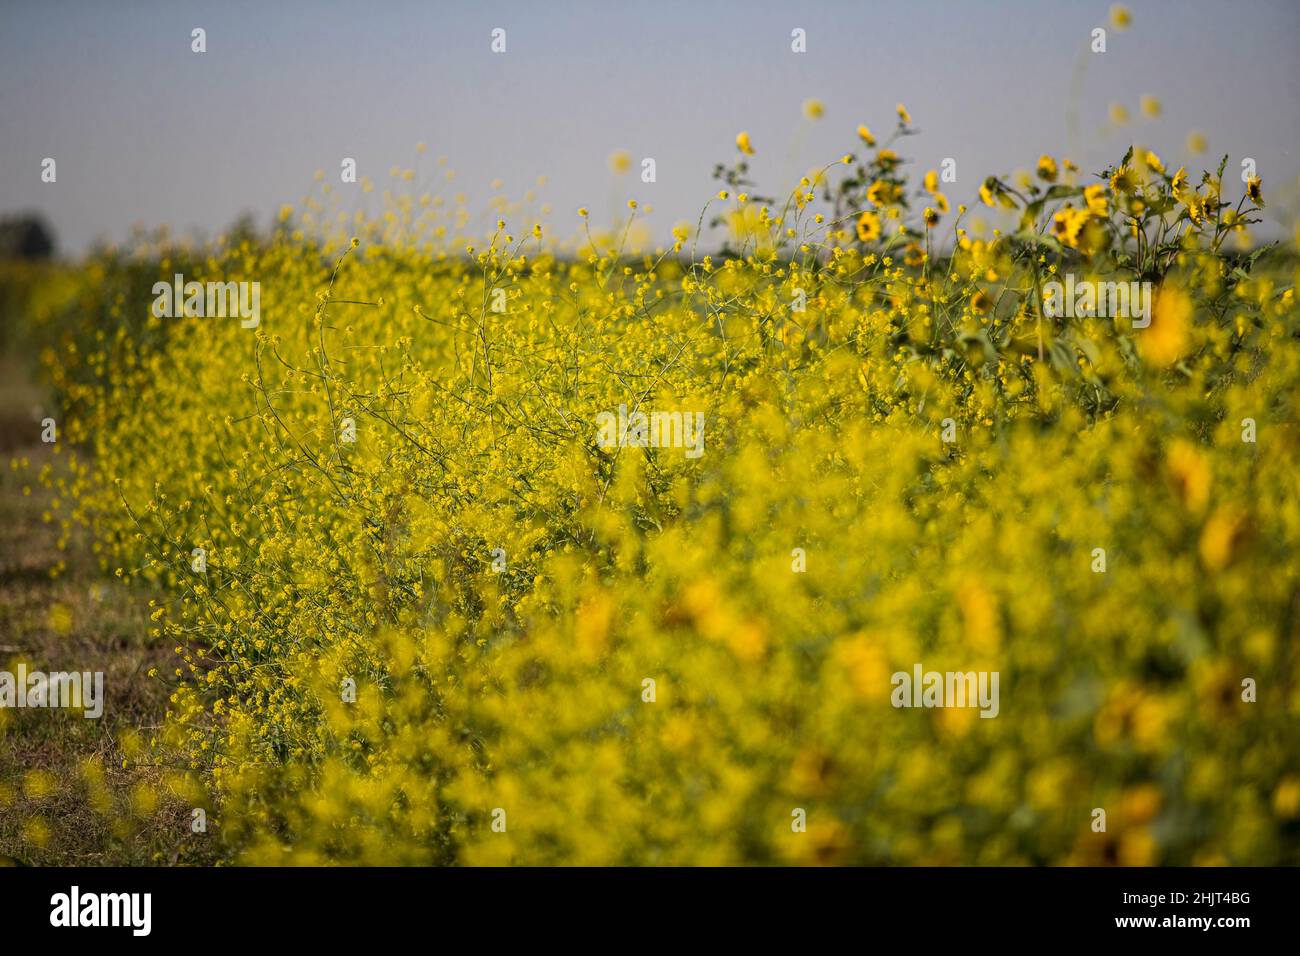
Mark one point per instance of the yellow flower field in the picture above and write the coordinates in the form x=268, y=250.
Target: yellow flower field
x=421, y=614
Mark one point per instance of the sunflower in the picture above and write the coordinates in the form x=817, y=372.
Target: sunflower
x=1254, y=191
x=1122, y=180
x=868, y=227
x=882, y=193
x=1067, y=225
x=1095, y=198
x=1179, y=182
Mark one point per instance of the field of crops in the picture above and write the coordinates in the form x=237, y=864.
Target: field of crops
x=430, y=594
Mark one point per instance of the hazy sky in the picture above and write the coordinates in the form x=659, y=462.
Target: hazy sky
x=144, y=130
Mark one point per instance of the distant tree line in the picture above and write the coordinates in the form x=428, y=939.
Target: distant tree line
x=25, y=236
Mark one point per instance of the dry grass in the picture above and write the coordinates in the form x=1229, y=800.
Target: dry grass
x=52, y=811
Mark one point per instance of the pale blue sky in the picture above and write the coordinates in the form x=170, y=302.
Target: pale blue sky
x=145, y=131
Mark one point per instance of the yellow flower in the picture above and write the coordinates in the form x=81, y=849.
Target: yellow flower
x=882, y=193
x=1254, y=191
x=868, y=227
x=813, y=109
x=993, y=193
x=1140, y=804
x=620, y=161
x=743, y=144
x=1190, y=475
x=1120, y=17
x=865, y=135
x=1286, y=798
x=1137, y=847
x=60, y=618
x=1095, y=198
x=904, y=116
x=1122, y=180
x=861, y=659
x=1068, y=224
x=1179, y=182
x=1222, y=538
x=1150, y=106
x=1167, y=337
x=1047, y=170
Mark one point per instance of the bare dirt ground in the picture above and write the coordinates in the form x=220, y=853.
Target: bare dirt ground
x=66, y=797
